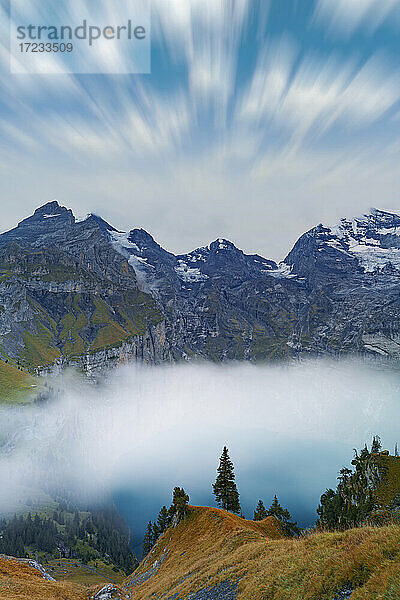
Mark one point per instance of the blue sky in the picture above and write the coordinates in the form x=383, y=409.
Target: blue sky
x=258, y=120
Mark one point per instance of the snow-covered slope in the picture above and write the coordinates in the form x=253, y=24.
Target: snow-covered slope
x=373, y=239
x=154, y=265
x=367, y=244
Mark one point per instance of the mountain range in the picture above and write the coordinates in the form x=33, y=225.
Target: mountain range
x=78, y=291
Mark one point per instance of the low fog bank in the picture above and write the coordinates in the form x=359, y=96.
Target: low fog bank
x=288, y=428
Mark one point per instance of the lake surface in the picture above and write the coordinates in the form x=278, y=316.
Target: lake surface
x=289, y=429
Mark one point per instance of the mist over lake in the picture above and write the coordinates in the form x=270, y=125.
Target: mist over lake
x=289, y=428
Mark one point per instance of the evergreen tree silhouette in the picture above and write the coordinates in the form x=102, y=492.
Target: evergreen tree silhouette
x=180, y=501
x=261, y=512
x=283, y=515
x=148, y=540
x=225, y=490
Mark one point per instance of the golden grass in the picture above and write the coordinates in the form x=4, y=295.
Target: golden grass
x=212, y=546
x=15, y=385
x=21, y=582
x=200, y=548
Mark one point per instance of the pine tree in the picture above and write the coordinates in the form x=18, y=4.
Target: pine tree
x=354, y=501
x=148, y=540
x=225, y=490
x=261, y=512
x=163, y=520
x=376, y=445
x=180, y=501
x=284, y=516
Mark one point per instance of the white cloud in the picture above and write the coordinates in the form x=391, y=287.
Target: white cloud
x=269, y=81
x=206, y=35
x=321, y=93
x=345, y=16
x=168, y=424
x=231, y=157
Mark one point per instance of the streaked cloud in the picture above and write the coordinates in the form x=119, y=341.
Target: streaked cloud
x=345, y=16
x=239, y=105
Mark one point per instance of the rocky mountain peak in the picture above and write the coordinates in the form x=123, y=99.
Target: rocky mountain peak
x=48, y=212
x=143, y=239
x=373, y=224
x=49, y=221
x=93, y=219
x=216, y=301
x=369, y=244
x=223, y=245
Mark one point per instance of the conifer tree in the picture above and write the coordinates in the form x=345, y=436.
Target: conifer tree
x=180, y=501
x=261, y=512
x=177, y=511
x=225, y=490
x=284, y=516
x=148, y=540
x=376, y=445
x=163, y=520
x=354, y=501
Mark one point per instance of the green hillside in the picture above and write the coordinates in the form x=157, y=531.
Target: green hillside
x=57, y=309
x=79, y=545
x=16, y=385
x=86, y=323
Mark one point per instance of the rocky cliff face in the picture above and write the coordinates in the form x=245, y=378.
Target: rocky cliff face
x=66, y=296
x=336, y=292
x=83, y=292
x=352, y=272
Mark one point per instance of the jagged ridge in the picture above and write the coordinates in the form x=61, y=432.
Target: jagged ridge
x=82, y=291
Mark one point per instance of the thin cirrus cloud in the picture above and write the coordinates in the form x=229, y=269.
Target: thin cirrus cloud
x=207, y=34
x=322, y=92
x=346, y=16
x=243, y=101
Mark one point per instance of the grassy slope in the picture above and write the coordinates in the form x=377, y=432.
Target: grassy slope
x=20, y=582
x=213, y=546
x=69, y=324
x=15, y=385
x=73, y=334
x=94, y=573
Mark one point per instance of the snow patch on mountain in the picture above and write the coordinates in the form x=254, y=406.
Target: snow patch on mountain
x=389, y=231
x=222, y=245
x=283, y=271
x=372, y=239
x=120, y=241
x=199, y=255
x=189, y=274
x=372, y=258
x=139, y=262
x=81, y=219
